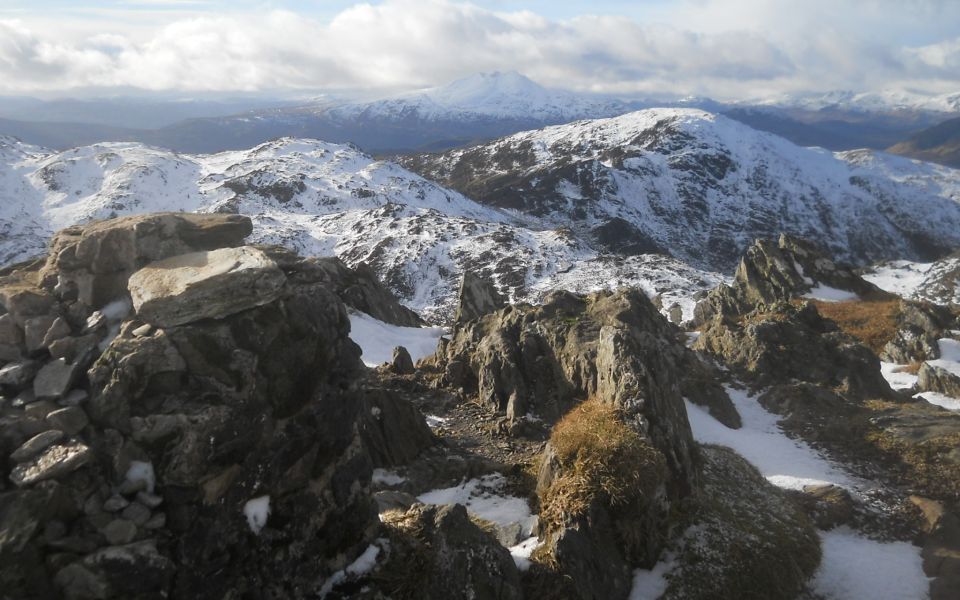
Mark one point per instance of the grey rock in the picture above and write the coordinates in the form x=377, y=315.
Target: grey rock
x=55, y=379
x=157, y=521
x=73, y=349
x=143, y=330
x=24, y=398
x=54, y=462
x=98, y=258
x=461, y=559
x=72, y=419
x=205, y=285
x=137, y=513
x=119, y=532
x=134, y=570
x=40, y=409
x=58, y=330
x=36, y=445
x=10, y=332
x=74, y=398
x=17, y=376
x=675, y=314
x=35, y=330
x=401, y=363
x=933, y=378
x=393, y=500
x=149, y=500
x=477, y=297
x=115, y=503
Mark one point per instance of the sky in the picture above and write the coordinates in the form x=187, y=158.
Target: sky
x=725, y=49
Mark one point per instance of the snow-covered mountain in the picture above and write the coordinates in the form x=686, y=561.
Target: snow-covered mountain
x=486, y=96
x=322, y=199
x=703, y=187
x=880, y=101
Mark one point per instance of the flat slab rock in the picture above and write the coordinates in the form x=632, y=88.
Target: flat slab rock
x=56, y=461
x=204, y=285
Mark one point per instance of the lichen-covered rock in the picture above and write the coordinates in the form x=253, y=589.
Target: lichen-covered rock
x=785, y=342
x=92, y=262
x=934, y=378
x=401, y=363
x=439, y=553
x=477, y=297
x=54, y=462
x=774, y=272
x=746, y=539
x=204, y=285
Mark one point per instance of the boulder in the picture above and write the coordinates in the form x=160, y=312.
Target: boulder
x=54, y=462
x=204, y=285
x=477, y=297
x=36, y=445
x=935, y=378
x=746, y=539
x=55, y=379
x=135, y=570
x=14, y=377
x=35, y=330
x=401, y=363
x=439, y=553
x=775, y=272
x=70, y=420
x=96, y=259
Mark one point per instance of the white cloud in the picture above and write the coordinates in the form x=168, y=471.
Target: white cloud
x=725, y=48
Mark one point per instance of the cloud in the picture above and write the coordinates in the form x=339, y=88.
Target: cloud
x=724, y=48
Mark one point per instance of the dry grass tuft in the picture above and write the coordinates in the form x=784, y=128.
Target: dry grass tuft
x=913, y=368
x=873, y=322
x=602, y=461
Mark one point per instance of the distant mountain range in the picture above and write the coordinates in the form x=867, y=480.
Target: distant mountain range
x=475, y=109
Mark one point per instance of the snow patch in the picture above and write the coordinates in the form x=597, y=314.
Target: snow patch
x=378, y=339
x=900, y=277
x=257, y=511
x=854, y=568
x=651, y=584
x=361, y=566
x=784, y=462
x=385, y=477
x=484, y=497
x=898, y=380
x=522, y=551
x=826, y=293
x=142, y=471
x=939, y=399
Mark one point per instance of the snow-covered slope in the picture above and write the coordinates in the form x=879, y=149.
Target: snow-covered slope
x=704, y=187
x=320, y=199
x=880, y=101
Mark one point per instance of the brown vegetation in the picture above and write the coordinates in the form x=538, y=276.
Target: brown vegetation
x=873, y=322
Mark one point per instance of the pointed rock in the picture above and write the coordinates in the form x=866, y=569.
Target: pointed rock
x=478, y=297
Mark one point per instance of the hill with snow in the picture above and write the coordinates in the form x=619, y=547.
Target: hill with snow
x=322, y=199
x=703, y=187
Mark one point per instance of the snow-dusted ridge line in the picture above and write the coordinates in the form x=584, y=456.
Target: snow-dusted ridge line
x=704, y=186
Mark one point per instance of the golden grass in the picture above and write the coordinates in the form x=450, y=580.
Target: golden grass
x=873, y=322
x=602, y=460
x=913, y=368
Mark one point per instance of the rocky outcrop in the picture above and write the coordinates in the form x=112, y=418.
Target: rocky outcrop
x=747, y=539
x=919, y=326
x=204, y=285
x=94, y=261
x=477, y=297
x=783, y=343
x=360, y=288
x=438, y=552
x=218, y=442
x=773, y=272
x=935, y=378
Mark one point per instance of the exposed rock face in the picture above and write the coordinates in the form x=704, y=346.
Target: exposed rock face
x=224, y=448
x=772, y=272
x=98, y=258
x=788, y=343
x=937, y=379
x=442, y=554
x=746, y=535
x=401, y=363
x=919, y=326
x=477, y=297
x=204, y=285
x=360, y=288
x=616, y=348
